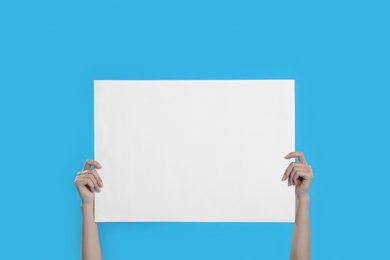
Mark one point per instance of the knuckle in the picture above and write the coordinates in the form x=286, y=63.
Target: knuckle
x=294, y=165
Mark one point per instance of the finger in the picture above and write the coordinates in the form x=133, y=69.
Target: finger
x=81, y=180
x=94, y=180
x=83, y=172
x=298, y=155
x=292, y=176
x=97, y=177
x=296, y=173
x=288, y=171
x=307, y=173
x=296, y=166
x=89, y=163
x=90, y=185
x=87, y=177
x=302, y=171
x=298, y=179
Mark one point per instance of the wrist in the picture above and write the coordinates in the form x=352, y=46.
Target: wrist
x=87, y=206
x=303, y=198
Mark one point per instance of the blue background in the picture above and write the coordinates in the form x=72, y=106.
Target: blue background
x=337, y=51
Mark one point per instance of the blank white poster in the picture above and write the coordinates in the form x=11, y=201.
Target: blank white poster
x=194, y=150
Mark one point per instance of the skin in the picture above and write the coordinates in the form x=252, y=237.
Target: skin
x=87, y=182
x=298, y=174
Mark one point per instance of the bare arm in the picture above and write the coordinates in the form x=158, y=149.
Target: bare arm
x=87, y=182
x=299, y=174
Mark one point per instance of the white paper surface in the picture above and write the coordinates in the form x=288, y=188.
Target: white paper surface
x=196, y=150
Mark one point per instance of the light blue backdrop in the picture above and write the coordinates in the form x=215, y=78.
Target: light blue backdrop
x=337, y=51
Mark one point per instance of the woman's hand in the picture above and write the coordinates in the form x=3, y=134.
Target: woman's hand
x=88, y=181
x=298, y=174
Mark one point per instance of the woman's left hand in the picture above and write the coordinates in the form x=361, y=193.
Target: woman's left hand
x=298, y=174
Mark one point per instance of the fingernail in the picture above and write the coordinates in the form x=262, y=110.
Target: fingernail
x=101, y=184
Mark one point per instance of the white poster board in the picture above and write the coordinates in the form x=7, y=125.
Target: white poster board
x=194, y=150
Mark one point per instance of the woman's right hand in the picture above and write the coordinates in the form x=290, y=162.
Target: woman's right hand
x=88, y=181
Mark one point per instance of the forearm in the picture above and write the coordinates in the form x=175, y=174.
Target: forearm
x=90, y=246
x=300, y=248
